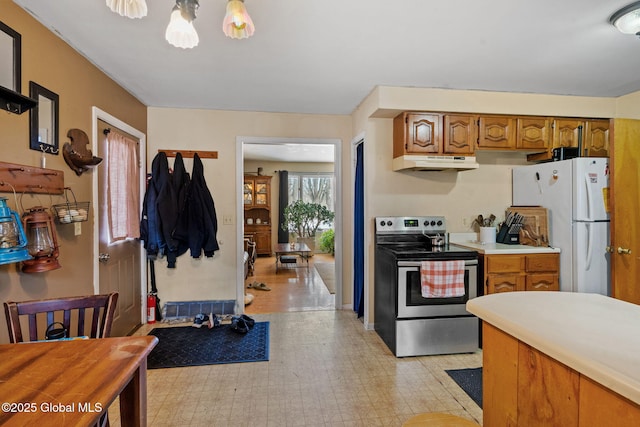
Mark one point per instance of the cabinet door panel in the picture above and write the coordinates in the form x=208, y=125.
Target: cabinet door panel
x=533, y=133
x=460, y=133
x=496, y=132
x=542, y=404
x=566, y=132
x=596, y=141
x=504, y=283
x=542, y=282
x=542, y=262
x=424, y=133
x=499, y=377
x=505, y=263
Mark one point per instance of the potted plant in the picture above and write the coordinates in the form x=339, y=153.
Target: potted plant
x=327, y=241
x=304, y=219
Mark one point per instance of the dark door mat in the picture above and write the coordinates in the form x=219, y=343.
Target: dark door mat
x=187, y=346
x=470, y=380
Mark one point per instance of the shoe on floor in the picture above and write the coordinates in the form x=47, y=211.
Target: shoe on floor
x=248, y=299
x=199, y=320
x=248, y=320
x=261, y=286
x=239, y=325
x=214, y=321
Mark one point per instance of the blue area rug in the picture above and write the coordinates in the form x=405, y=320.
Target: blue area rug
x=188, y=346
x=470, y=380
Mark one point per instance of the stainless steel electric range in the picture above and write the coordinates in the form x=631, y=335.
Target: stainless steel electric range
x=408, y=323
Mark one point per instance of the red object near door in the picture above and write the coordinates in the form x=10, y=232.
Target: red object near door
x=151, y=308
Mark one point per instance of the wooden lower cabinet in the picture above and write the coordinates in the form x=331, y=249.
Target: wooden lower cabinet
x=521, y=272
x=525, y=387
x=261, y=236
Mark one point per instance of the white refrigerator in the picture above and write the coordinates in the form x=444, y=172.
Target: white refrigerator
x=574, y=192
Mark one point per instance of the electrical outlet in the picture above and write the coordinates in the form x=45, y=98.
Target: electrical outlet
x=77, y=228
x=227, y=219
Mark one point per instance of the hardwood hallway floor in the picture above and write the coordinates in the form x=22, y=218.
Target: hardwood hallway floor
x=292, y=289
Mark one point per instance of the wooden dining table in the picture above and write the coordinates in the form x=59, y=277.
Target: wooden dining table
x=72, y=383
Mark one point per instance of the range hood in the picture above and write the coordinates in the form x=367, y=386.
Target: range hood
x=434, y=163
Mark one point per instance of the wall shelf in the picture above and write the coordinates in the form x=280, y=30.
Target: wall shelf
x=188, y=154
x=15, y=102
x=29, y=179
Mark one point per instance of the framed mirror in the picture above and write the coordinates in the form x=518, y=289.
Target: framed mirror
x=43, y=120
x=10, y=58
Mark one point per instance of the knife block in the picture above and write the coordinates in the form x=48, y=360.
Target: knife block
x=505, y=237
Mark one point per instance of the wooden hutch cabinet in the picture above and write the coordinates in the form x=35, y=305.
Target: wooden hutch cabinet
x=257, y=211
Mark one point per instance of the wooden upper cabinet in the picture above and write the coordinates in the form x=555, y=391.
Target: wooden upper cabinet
x=257, y=191
x=566, y=132
x=596, y=138
x=498, y=132
x=417, y=133
x=533, y=133
x=460, y=132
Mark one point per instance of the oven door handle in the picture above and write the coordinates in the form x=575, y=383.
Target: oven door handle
x=419, y=263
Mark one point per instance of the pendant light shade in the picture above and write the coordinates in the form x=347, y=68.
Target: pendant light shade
x=627, y=19
x=180, y=31
x=128, y=8
x=237, y=23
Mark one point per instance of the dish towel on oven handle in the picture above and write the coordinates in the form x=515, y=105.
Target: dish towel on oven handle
x=442, y=279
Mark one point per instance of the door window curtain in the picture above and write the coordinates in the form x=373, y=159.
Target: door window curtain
x=123, y=197
x=283, y=202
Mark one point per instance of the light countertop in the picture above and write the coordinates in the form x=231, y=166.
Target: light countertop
x=595, y=335
x=501, y=248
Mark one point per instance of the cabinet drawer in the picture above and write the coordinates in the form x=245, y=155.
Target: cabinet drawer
x=504, y=283
x=505, y=264
x=542, y=262
x=542, y=282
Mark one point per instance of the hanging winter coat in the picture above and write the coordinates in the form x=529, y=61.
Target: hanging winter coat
x=150, y=224
x=198, y=224
x=180, y=181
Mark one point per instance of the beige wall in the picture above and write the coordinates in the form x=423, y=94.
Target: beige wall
x=51, y=63
x=628, y=106
x=215, y=278
x=459, y=196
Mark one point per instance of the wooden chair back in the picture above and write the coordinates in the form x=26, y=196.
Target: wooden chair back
x=75, y=313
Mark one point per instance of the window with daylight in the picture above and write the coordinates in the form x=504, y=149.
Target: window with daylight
x=311, y=188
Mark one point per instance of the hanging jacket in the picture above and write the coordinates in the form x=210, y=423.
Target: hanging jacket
x=180, y=181
x=198, y=224
x=150, y=224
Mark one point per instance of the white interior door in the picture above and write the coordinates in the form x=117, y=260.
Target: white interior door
x=119, y=264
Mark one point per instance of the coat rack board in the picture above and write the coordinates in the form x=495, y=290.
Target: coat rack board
x=189, y=153
x=29, y=179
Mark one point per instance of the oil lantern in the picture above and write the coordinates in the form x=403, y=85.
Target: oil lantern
x=13, y=241
x=42, y=243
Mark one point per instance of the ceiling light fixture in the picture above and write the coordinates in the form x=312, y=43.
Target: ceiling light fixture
x=129, y=8
x=237, y=23
x=180, y=31
x=627, y=19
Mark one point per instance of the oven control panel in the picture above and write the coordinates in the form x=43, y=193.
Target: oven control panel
x=409, y=224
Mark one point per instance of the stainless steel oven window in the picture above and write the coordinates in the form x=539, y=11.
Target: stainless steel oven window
x=409, y=278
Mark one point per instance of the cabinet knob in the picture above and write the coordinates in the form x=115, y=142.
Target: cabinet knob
x=609, y=249
x=624, y=251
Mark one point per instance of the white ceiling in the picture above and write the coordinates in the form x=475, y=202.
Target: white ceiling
x=326, y=56
x=289, y=152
